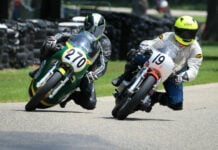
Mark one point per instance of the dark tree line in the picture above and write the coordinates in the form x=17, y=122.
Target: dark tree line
x=211, y=30
x=49, y=9
x=4, y=9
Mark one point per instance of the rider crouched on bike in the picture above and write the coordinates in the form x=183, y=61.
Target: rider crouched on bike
x=94, y=23
x=188, y=61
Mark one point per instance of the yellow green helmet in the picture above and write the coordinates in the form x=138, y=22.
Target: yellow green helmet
x=186, y=28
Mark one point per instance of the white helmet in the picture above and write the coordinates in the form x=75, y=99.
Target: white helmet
x=95, y=23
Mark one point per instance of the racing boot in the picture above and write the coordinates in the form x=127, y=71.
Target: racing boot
x=64, y=103
x=117, y=81
x=155, y=98
x=129, y=68
x=32, y=73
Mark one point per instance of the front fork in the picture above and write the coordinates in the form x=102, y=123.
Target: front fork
x=139, y=79
x=49, y=74
x=62, y=83
x=147, y=100
x=41, y=82
x=131, y=87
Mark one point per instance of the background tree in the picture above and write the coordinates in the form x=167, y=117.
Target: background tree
x=50, y=9
x=4, y=9
x=211, y=30
x=139, y=7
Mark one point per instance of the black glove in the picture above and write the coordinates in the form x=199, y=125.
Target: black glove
x=49, y=48
x=50, y=43
x=130, y=54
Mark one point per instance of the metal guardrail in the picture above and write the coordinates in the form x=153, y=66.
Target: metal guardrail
x=94, y=5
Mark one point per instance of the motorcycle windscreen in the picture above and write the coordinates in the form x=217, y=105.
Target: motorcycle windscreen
x=85, y=40
x=168, y=48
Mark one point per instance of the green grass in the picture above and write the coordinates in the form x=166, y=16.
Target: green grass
x=14, y=83
x=103, y=84
x=199, y=7
x=200, y=19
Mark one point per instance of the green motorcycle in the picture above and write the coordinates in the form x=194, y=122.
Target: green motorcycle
x=60, y=75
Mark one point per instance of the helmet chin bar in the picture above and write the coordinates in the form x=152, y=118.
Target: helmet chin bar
x=182, y=41
x=187, y=40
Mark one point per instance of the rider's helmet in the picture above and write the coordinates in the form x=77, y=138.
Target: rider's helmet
x=186, y=28
x=95, y=23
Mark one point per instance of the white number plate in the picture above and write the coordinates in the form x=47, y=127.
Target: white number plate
x=76, y=57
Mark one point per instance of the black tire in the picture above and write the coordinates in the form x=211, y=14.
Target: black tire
x=119, y=103
x=131, y=104
x=34, y=101
x=115, y=110
x=30, y=90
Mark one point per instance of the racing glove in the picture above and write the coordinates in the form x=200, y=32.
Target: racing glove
x=130, y=54
x=145, y=49
x=91, y=76
x=49, y=47
x=50, y=43
x=182, y=77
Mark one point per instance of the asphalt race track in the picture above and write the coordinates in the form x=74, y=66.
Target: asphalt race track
x=73, y=128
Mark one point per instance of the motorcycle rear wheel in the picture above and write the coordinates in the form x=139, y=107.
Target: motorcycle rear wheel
x=131, y=104
x=34, y=101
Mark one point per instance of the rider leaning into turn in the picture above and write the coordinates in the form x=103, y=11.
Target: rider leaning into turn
x=95, y=24
x=188, y=61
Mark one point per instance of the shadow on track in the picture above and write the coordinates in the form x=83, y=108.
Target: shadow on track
x=139, y=119
x=54, y=111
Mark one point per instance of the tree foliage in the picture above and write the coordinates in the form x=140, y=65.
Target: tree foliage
x=211, y=30
x=4, y=9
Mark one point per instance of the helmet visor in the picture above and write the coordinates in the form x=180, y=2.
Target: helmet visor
x=97, y=30
x=186, y=34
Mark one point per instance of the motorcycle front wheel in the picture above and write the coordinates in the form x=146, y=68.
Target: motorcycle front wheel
x=40, y=94
x=118, y=105
x=132, y=103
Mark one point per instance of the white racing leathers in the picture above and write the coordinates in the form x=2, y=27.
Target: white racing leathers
x=190, y=56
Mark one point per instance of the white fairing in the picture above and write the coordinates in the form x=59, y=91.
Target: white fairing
x=161, y=63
